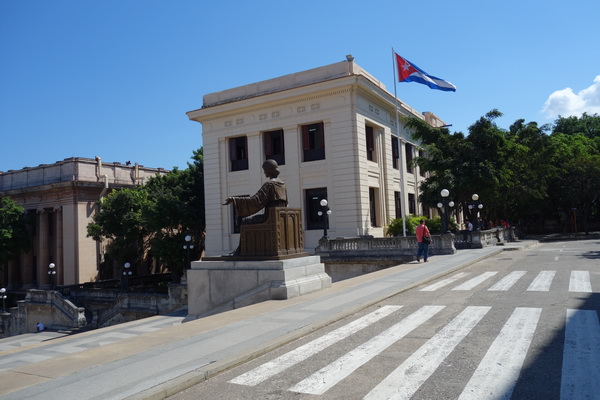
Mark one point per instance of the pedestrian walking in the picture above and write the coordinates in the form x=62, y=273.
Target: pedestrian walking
x=424, y=240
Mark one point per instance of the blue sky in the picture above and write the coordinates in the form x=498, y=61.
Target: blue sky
x=115, y=78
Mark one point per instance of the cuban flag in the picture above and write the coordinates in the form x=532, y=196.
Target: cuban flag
x=409, y=72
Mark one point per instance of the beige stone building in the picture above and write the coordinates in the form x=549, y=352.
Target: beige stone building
x=335, y=133
x=60, y=200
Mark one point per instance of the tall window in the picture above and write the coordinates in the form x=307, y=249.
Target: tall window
x=313, y=142
x=421, y=170
x=238, y=153
x=370, y=143
x=395, y=152
x=408, y=149
x=412, y=204
x=373, y=206
x=397, y=205
x=312, y=201
x=274, y=146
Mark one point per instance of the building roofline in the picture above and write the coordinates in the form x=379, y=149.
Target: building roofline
x=285, y=82
x=78, y=160
x=328, y=73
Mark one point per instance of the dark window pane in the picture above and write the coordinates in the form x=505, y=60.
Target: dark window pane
x=312, y=202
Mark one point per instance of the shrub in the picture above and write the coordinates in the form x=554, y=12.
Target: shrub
x=394, y=228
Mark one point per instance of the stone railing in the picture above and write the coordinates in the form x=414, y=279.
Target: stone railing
x=481, y=239
x=349, y=257
x=104, y=307
x=386, y=248
x=46, y=306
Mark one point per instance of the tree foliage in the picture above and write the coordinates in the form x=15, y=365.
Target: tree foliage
x=524, y=174
x=153, y=220
x=14, y=238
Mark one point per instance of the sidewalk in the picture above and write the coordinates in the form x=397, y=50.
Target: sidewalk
x=159, y=356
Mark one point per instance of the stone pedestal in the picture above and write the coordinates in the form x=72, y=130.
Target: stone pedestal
x=220, y=285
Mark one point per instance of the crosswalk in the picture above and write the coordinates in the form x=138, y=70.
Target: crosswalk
x=499, y=365
x=494, y=378
x=579, y=281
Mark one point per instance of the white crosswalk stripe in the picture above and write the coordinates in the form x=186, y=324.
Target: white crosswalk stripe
x=542, y=282
x=581, y=360
x=504, y=358
x=321, y=381
x=423, y=362
x=580, y=282
x=508, y=281
x=471, y=283
x=300, y=354
x=444, y=282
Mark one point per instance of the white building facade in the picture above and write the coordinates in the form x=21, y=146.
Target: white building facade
x=333, y=130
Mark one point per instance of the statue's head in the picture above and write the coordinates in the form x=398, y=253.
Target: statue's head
x=271, y=168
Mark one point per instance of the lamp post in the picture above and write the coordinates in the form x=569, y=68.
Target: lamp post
x=444, y=206
x=3, y=297
x=126, y=274
x=325, y=213
x=51, y=274
x=188, y=246
x=475, y=208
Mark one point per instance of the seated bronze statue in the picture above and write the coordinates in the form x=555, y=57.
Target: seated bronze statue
x=272, y=194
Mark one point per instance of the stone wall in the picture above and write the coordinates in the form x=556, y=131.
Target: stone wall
x=102, y=308
x=349, y=257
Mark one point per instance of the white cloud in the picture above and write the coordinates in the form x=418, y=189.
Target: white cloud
x=567, y=103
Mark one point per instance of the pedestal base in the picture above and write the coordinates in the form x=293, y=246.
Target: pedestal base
x=217, y=286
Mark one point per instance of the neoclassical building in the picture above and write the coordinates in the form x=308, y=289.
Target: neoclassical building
x=337, y=134
x=60, y=200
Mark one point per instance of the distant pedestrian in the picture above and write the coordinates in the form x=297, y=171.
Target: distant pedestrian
x=467, y=231
x=39, y=327
x=423, y=239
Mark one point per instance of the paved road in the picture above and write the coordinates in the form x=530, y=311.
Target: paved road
x=519, y=325
x=118, y=362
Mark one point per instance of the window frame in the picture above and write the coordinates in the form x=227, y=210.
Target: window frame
x=412, y=204
x=313, y=143
x=312, y=199
x=370, y=143
x=395, y=152
x=408, y=154
x=238, y=153
x=397, y=205
x=274, y=145
x=373, y=207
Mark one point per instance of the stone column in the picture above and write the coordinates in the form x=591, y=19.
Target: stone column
x=27, y=267
x=58, y=245
x=9, y=274
x=42, y=248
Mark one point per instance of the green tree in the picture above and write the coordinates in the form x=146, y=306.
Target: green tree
x=533, y=168
x=155, y=218
x=465, y=165
x=586, y=125
x=523, y=174
x=575, y=185
x=119, y=220
x=176, y=209
x=14, y=238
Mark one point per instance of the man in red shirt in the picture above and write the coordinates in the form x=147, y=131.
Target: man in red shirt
x=423, y=239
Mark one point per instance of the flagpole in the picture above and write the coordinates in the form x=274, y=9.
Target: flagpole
x=400, y=166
